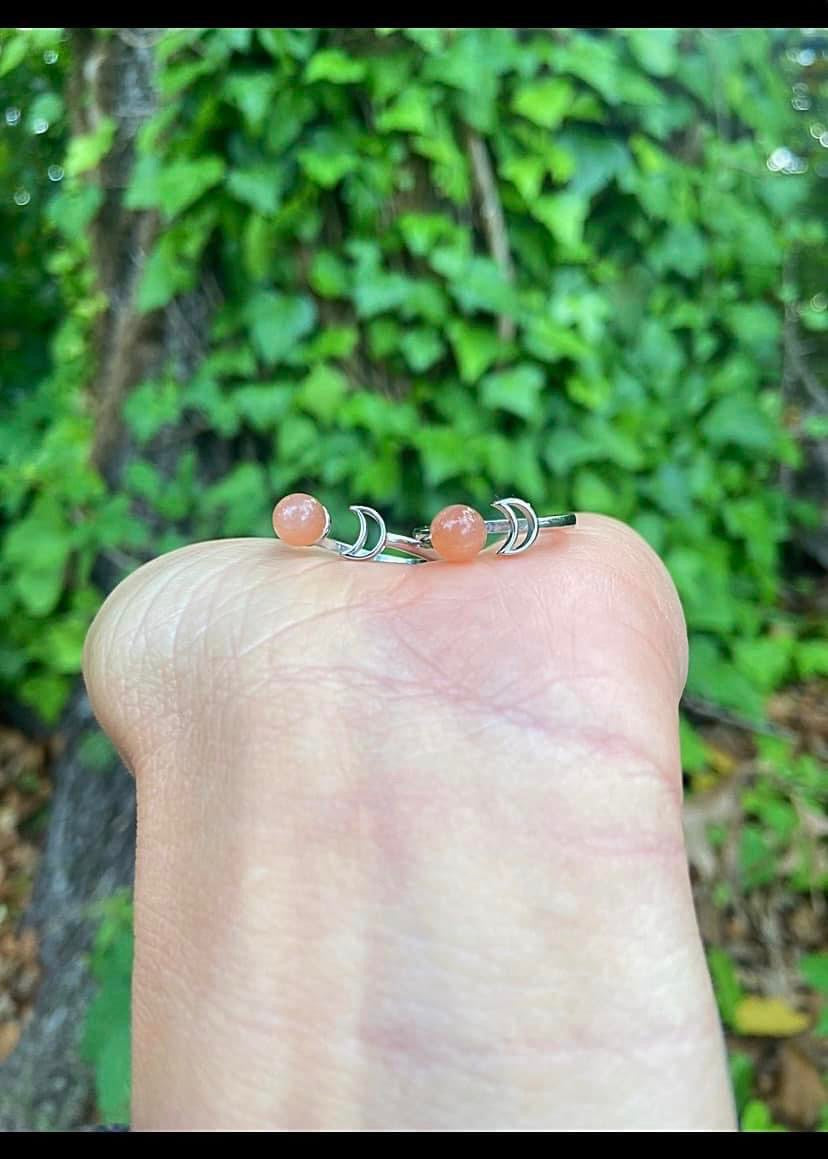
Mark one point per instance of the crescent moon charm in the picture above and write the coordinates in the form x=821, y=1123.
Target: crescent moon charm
x=355, y=550
x=510, y=545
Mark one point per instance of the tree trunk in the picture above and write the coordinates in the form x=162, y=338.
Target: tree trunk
x=89, y=852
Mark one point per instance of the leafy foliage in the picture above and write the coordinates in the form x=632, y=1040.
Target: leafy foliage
x=324, y=177
x=107, y=1037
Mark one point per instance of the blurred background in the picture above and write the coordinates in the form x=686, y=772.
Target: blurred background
x=409, y=267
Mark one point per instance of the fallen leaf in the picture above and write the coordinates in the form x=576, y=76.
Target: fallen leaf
x=801, y=1094
x=768, y=1017
x=724, y=763
x=9, y=1037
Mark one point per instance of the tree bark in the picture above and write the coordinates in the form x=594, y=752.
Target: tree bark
x=89, y=853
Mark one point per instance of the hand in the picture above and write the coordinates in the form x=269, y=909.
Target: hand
x=410, y=849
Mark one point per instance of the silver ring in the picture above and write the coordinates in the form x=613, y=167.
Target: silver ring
x=516, y=532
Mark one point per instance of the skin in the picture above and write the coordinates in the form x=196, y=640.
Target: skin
x=410, y=850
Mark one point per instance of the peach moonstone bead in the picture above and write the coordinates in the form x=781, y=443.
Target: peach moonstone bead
x=299, y=519
x=458, y=533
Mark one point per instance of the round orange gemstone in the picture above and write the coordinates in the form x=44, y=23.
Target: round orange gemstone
x=458, y=533
x=299, y=519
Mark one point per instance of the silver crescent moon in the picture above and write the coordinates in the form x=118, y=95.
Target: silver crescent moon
x=514, y=526
x=510, y=546
x=355, y=550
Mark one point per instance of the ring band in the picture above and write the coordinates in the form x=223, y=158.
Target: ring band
x=457, y=534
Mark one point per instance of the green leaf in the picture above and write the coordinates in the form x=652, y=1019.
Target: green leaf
x=682, y=249
x=239, y=499
x=421, y=347
x=738, y=420
x=742, y=1077
x=73, y=210
x=259, y=186
x=516, y=390
x=411, y=113
x=164, y=276
x=14, y=52
x=593, y=493
x=695, y=754
x=335, y=342
x=46, y=693
x=765, y=660
x=253, y=94
x=726, y=984
x=475, y=348
x=550, y=341
x=444, y=453
x=328, y=161
x=46, y=107
x=527, y=174
x=599, y=158
x=814, y=969
x=655, y=49
x=333, y=65
x=564, y=215
x=322, y=392
x=544, y=102
x=757, y=1117
x=277, y=322
x=482, y=285
x=151, y=406
x=811, y=658
x=757, y=858
x=183, y=182
x=106, y=1041
x=88, y=150
x=712, y=676
x=328, y=275
x=264, y=405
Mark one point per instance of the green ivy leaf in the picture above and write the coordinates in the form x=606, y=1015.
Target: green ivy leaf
x=259, y=186
x=564, y=215
x=715, y=679
x=544, y=102
x=738, y=420
x=811, y=658
x=814, y=969
x=183, y=182
x=322, y=392
x=151, y=406
x=88, y=150
x=37, y=549
x=328, y=275
x=444, y=453
x=421, y=347
x=14, y=52
x=726, y=983
x=277, y=322
x=106, y=1042
x=475, y=348
x=412, y=112
x=516, y=390
x=655, y=49
x=328, y=161
x=695, y=754
x=333, y=65
x=253, y=94
x=527, y=174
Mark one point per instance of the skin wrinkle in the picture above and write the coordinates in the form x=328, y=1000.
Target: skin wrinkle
x=494, y=715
